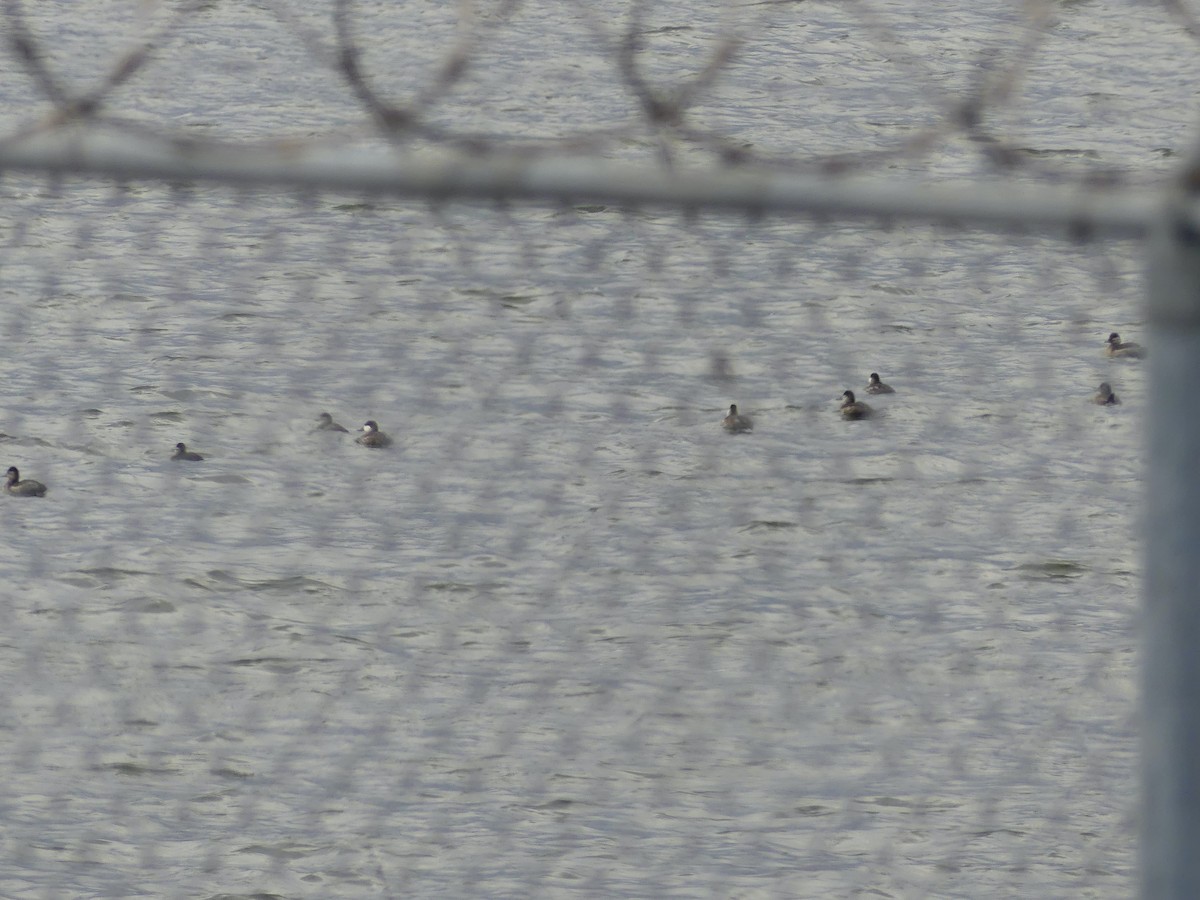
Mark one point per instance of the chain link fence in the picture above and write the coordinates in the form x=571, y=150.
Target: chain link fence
x=568, y=636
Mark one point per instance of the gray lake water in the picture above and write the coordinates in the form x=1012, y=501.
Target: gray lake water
x=567, y=637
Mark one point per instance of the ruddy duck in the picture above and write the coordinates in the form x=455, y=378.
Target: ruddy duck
x=875, y=386
x=183, y=453
x=735, y=422
x=372, y=436
x=1127, y=349
x=325, y=423
x=1105, y=396
x=854, y=409
x=27, y=488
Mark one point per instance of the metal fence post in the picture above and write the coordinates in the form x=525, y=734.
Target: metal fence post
x=1170, y=624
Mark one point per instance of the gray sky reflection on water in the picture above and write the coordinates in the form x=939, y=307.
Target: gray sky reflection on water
x=567, y=634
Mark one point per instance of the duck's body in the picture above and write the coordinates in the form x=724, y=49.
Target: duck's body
x=854, y=409
x=875, y=386
x=182, y=453
x=1105, y=396
x=325, y=423
x=18, y=488
x=372, y=436
x=1114, y=346
x=735, y=422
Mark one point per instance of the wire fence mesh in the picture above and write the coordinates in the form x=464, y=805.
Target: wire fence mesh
x=567, y=635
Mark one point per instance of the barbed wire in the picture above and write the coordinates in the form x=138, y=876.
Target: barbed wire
x=682, y=93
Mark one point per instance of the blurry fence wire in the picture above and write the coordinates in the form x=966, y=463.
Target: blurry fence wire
x=567, y=636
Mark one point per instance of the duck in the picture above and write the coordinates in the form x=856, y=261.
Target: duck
x=325, y=423
x=875, y=386
x=183, y=453
x=1105, y=396
x=854, y=409
x=372, y=436
x=27, y=488
x=1126, y=349
x=735, y=422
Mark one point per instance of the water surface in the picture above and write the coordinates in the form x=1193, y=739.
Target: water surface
x=567, y=636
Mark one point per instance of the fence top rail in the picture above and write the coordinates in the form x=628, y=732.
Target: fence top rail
x=1080, y=209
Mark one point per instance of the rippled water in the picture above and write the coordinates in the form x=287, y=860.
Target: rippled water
x=568, y=637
